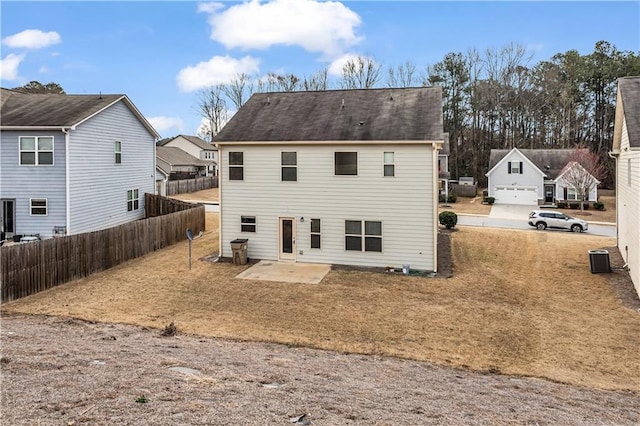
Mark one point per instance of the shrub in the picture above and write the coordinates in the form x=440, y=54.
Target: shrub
x=452, y=198
x=442, y=198
x=448, y=219
x=574, y=206
x=598, y=205
x=585, y=206
x=561, y=205
x=489, y=200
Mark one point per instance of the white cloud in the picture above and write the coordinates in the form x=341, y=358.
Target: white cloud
x=32, y=39
x=162, y=123
x=209, y=7
x=326, y=27
x=219, y=69
x=44, y=70
x=9, y=66
x=336, y=66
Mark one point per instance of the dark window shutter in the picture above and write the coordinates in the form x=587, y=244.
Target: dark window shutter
x=521, y=167
x=565, y=192
x=509, y=166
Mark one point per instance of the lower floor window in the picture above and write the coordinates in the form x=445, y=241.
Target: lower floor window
x=248, y=224
x=358, y=232
x=572, y=194
x=38, y=206
x=315, y=233
x=133, y=202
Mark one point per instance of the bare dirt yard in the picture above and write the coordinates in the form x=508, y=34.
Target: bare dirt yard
x=520, y=305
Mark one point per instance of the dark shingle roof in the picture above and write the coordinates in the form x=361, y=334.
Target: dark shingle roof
x=549, y=161
x=19, y=109
x=200, y=143
x=177, y=157
x=630, y=90
x=338, y=115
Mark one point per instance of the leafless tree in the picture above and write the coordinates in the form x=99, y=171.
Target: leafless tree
x=316, y=81
x=361, y=72
x=239, y=89
x=213, y=108
x=403, y=75
x=582, y=173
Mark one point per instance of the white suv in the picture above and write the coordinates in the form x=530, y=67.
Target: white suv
x=551, y=219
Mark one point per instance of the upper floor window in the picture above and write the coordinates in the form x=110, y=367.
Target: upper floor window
x=346, y=163
x=36, y=150
x=117, y=147
x=236, y=166
x=133, y=202
x=289, y=163
x=389, y=164
x=515, y=167
x=38, y=206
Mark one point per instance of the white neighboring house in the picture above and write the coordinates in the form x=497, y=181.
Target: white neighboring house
x=195, y=147
x=336, y=177
x=532, y=176
x=626, y=149
x=443, y=167
x=72, y=163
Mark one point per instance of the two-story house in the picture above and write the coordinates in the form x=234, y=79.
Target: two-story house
x=336, y=177
x=197, y=148
x=72, y=163
x=626, y=149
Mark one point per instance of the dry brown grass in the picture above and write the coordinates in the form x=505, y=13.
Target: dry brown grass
x=520, y=303
x=466, y=205
x=204, y=195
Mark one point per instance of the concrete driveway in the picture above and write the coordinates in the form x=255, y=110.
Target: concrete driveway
x=511, y=211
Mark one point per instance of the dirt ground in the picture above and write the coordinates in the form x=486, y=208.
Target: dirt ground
x=62, y=371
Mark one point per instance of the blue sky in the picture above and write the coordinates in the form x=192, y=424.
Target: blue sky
x=161, y=53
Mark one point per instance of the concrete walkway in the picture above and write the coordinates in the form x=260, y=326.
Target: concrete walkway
x=268, y=270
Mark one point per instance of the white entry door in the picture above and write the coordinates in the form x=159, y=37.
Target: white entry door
x=527, y=195
x=287, y=239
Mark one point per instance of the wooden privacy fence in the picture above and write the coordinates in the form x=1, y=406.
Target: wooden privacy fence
x=28, y=268
x=191, y=185
x=464, y=190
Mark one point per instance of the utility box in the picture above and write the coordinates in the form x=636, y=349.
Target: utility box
x=599, y=261
x=239, y=251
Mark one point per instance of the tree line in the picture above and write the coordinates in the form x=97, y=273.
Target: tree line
x=492, y=99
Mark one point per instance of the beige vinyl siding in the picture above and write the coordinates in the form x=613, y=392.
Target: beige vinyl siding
x=403, y=203
x=98, y=186
x=628, y=206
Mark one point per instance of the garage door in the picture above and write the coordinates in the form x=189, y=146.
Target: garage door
x=526, y=195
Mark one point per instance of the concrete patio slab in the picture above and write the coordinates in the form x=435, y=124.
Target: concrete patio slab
x=268, y=270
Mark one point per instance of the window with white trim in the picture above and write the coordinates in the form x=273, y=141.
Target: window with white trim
x=346, y=163
x=389, y=164
x=36, y=150
x=515, y=167
x=117, y=147
x=236, y=166
x=38, y=206
x=359, y=231
x=133, y=201
x=315, y=233
x=572, y=194
x=289, y=165
x=247, y=224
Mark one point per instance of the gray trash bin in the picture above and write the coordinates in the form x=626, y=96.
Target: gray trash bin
x=239, y=251
x=599, y=261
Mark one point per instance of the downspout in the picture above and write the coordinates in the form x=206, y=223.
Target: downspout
x=614, y=155
x=67, y=178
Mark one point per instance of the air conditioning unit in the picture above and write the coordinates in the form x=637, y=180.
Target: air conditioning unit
x=599, y=261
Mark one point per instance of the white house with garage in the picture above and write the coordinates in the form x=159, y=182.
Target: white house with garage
x=626, y=150
x=72, y=163
x=533, y=176
x=335, y=177
x=196, y=147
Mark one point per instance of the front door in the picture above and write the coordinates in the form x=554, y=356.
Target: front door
x=8, y=217
x=287, y=239
x=549, y=193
